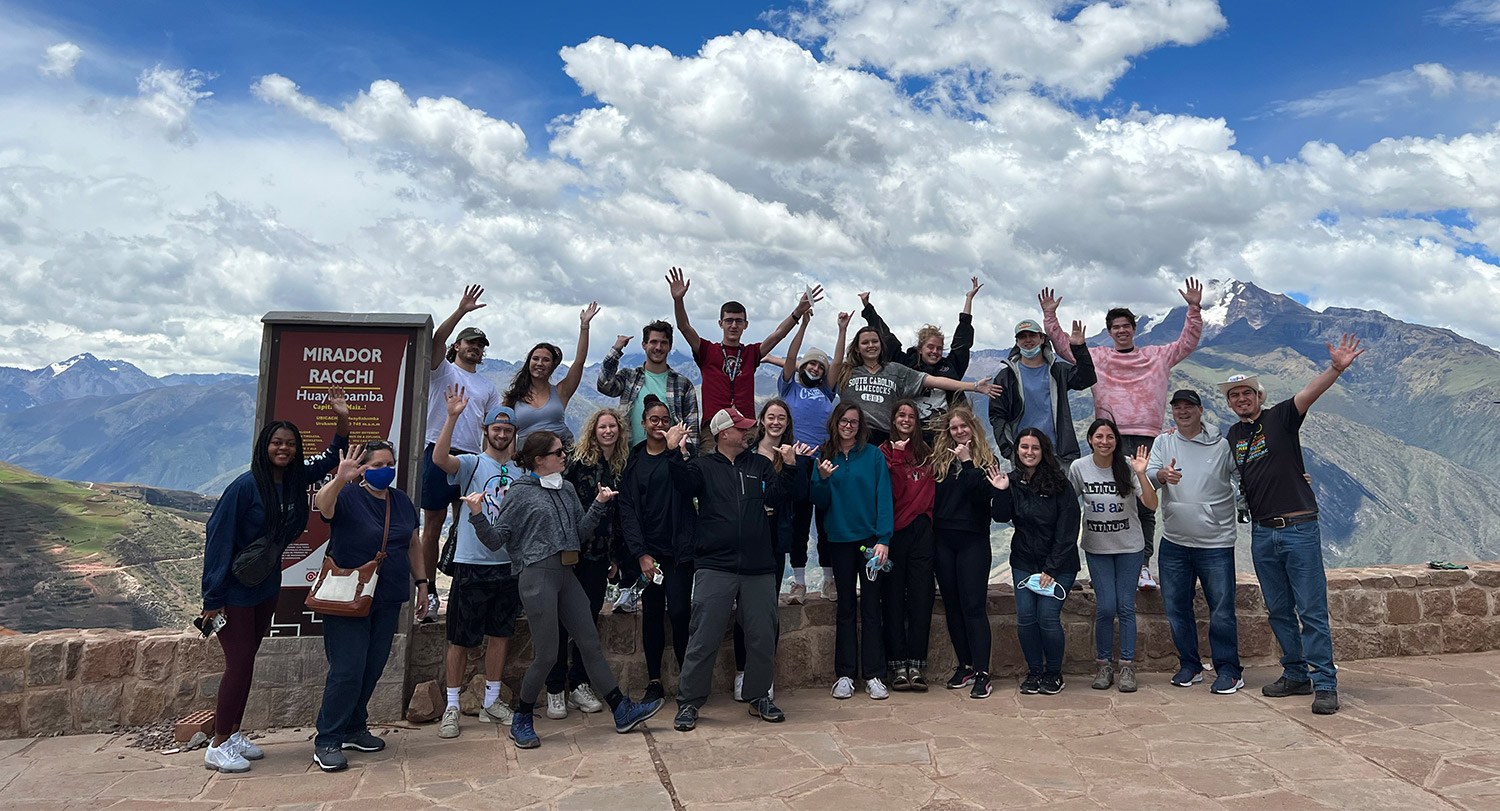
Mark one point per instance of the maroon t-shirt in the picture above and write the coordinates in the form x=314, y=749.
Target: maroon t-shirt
x=728, y=377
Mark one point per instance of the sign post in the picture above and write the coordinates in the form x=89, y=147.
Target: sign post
x=380, y=360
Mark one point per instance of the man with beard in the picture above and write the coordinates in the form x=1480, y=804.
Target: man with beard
x=455, y=364
x=654, y=377
x=927, y=356
x=484, y=600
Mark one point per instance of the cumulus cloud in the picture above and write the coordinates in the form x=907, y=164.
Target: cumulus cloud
x=1394, y=93
x=60, y=60
x=167, y=98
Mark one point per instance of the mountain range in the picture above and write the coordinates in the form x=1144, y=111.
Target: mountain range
x=1403, y=451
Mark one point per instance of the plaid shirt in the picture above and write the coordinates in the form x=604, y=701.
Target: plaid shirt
x=682, y=398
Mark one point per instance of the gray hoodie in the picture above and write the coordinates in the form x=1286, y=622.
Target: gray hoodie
x=535, y=523
x=1199, y=510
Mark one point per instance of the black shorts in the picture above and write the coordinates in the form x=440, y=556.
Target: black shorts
x=483, y=601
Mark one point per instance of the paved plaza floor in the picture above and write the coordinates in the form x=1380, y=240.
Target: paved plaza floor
x=1420, y=733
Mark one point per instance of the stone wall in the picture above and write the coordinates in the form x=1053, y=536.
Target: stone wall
x=94, y=681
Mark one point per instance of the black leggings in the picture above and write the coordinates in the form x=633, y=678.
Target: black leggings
x=672, y=600
x=963, y=574
x=592, y=575
x=907, y=592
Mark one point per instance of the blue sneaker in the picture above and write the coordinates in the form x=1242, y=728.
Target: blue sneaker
x=1187, y=677
x=630, y=714
x=1226, y=684
x=523, y=731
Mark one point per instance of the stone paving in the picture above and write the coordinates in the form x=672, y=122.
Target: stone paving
x=1419, y=733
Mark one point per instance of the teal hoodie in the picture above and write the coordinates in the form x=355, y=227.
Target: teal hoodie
x=857, y=497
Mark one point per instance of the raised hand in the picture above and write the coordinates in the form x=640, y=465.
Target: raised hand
x=1049, y=301
x=457, y=402
x=351, y=464
x=961, y=450
x=1169, y=474
x=1193, y=295
x=844, y=318
x=588, y=314
x=677, y=435
x=813, y=295
x=676, y=283
x=621, y=341
x=899, y=444
x=826, y=468
x=338, y=400
x=788, y=454
x=975, y=284
x=1139, y=460
x=1347, y=350
x=475, y=502
x=605, y=495
x=998, y=478
x=864, y=298
x=988, y=388
x=804, y=449
x=470, y=302
x=1079, y=336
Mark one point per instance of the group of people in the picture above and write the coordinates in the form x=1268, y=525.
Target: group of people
x=702, y=511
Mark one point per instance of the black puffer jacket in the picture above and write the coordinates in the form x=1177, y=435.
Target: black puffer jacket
x=1046, y=536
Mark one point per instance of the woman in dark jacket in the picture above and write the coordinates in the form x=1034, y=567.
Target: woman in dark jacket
x=657, y=523
x=597, y=460
x=1040, y=503
x=271, y=498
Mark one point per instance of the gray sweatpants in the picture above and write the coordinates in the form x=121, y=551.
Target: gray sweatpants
x=551, y=593
x=714, y=595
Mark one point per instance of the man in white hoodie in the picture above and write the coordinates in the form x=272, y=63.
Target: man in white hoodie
x=1196, y=478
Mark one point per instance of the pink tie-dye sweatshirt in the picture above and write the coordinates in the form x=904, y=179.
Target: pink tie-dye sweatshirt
x=1132, y=386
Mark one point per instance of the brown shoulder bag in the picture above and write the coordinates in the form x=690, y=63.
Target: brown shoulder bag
x=341, y=592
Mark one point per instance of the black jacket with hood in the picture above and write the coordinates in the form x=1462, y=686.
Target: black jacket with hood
x=1007, y=408
x=1046, y=536
x=734, y=532
x=684, y=519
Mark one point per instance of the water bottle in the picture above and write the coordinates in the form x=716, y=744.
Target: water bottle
x=872, y=567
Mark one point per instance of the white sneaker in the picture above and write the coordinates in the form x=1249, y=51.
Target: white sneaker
x=497, y=713
x=583, y=698
x=557, y=706
x=830, y=591
x=739, y=687
x=224, y=758
x=843, y=688
x=876, y=687
x=1147, y=582
x=448, y=728
x=629, y=602
x=242, y=744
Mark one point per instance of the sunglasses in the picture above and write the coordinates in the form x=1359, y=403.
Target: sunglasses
x=559, y=452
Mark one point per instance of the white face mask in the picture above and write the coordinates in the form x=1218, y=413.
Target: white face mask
x=551, y=481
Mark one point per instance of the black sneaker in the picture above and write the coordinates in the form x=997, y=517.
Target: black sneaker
x=687, y=718
x=981, y=687
x=962, y=676
x=763, y=709
x=330, y=759
x=365, y=742
x=1031, y=685
x=653, y=692
x=1326, y=702
x=1283, y=687
x=1052, y=685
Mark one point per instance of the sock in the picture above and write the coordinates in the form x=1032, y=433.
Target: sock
x=525, y=707
x=799, y=575
x=614, y=699
x=491, y=692
x=453, y=696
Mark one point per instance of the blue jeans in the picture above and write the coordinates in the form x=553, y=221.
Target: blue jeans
x=1181, y=568
x=1039, y=624
x=1115, y=578
x=357, y=649
x=1289, y=563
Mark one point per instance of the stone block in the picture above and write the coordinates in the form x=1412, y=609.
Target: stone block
x=1405, y=580
x=45, y=662
x=12, y=681
x=107, y=659
x=147, y=704
x=1425, y=639
x=280, y=671
x=1367, y=642
x=1154, y=638
x=1463, y=634
x=257, y=707
x=96, y=706
x=1492, y=634
x=1486, y=575
x=1256, y=640
x=13, y=651
x=1449, y=577
x=1001, y=600
x=154, y=657
x=11, y=725
x=1437, y=603
x=46, y=712
x=1403, y=607
x=197, y=656
x=208, y=686
x=619, y=637
x=1376, y=580
x=1472, y=601
x=1339, y=580
x=1248, y=598
x=1359, y=606
x=819, y=611
x=790, y=617
x=296, y=706
x=72, y=657
x=427, y=702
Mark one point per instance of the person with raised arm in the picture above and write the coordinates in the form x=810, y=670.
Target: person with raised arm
x=908, y=589
x=1036, y=383
x=540, y=405
x=542, y=524
x=872, y=381
x=1285, y=540
x=1036, y=499
x=927, y=357
x=1110, y=485
x=654, y=377
x=453, y=363
x=367, y=516
x=1131, y=389
x=484, y=599
x=268, y=501
x=728, y=366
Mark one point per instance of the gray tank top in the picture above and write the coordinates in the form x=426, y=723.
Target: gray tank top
x=550, y=417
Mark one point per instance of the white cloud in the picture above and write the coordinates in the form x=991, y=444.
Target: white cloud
x=1480, y=13
x=1395, y=93
x=167, y=98
x=60, y=60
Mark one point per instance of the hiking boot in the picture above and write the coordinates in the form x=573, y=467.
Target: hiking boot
x=225, y=758
x=1105, y=677
x=247, y=750
x=1052, y=685
x=1283, y=687
x=962, y=675
x=877, y=688
x=1127, y=677
x=981, y=688
x=687, y=718
x=763, y=709
x=557, y=706
x=1146, y=582
x=330, y=759
x=798, y=594
x=448, y=728
x=1187, y=677
x=523, y=731
x=900, y=678
x=653, y=692
x=364, y=742
x=918, y=678
x=583, y=698
x=630, y=714
x=843, y=688
x=497, y=713
x=1031, y=685
x=1326, y=702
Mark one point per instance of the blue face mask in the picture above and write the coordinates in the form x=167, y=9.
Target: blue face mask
x=379, y=478
x=1034, y=583
x=1030, y=353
